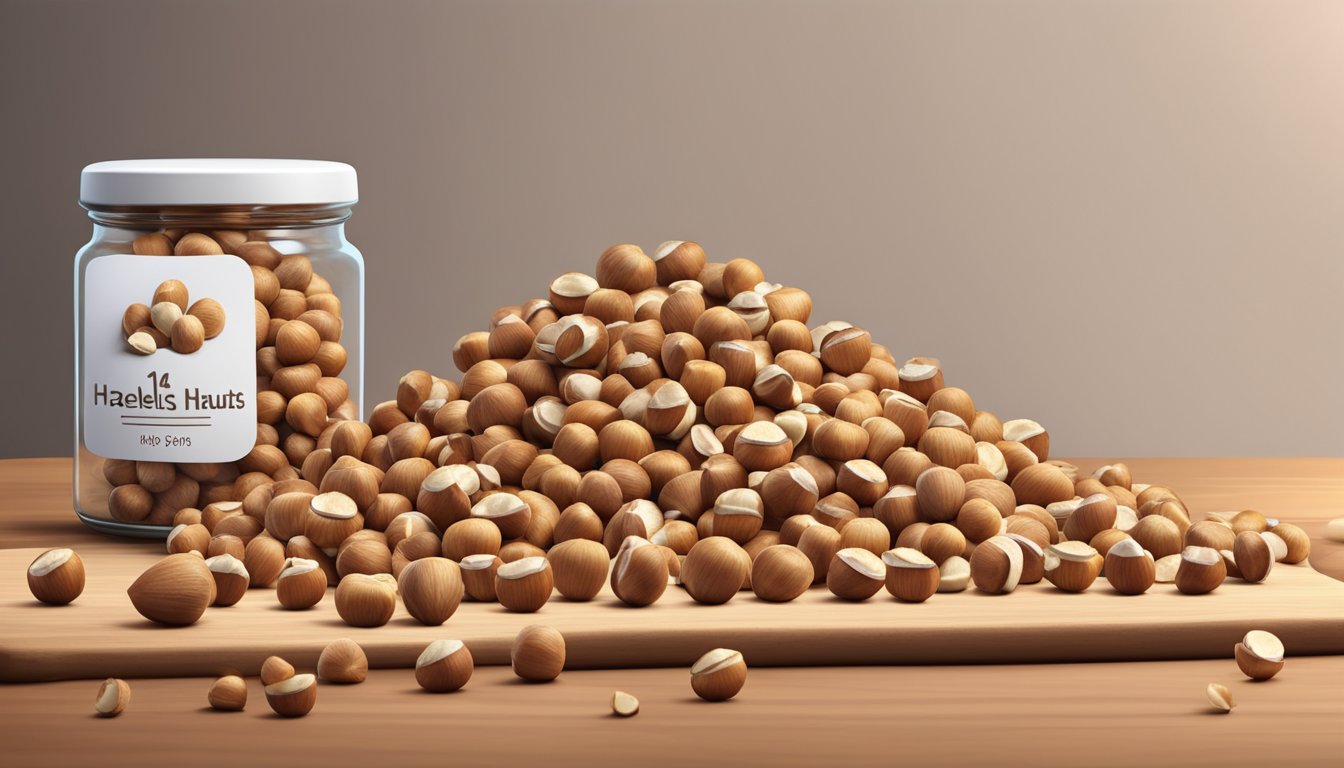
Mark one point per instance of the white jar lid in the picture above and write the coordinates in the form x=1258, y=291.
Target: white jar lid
x=217, y=181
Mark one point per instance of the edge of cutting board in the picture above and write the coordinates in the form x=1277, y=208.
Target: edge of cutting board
x=101, y=635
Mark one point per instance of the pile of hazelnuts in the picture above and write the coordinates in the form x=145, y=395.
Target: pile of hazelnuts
x=676, y=420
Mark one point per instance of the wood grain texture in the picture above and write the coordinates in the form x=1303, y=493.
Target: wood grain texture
x=1067, y=715
x=101, y=635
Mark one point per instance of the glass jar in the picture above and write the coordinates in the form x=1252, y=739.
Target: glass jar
x=219, y=320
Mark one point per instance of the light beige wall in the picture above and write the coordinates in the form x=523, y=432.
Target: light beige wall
x=1123, y=219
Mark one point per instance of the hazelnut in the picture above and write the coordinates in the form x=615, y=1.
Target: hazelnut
x=1259, y=655
x=866, y=533
x=762, y=446
x=343, y=661
x=979, y=519
x=639, y=573
x=780, y=573
x=1160, y=536
x=627, y=268
x=293, y=697
x=431, y=589
x=56, y=577
x=524, y=585
x=819, y=543
x=855, y=574
x=836, y=510
x=1130, y=568
x=677, y=535
x=954, y=575
x=787, y=491
x=1042, y=484
x=478, y=576
x=301, y=585
x=570, y=292
x=579, y=521
x=1033, y=559
x=1252, y=556
x=174, y=591
x=274, y=669
x=365, y=601
x=718, y=675
x=113, y=697
x=840, y=440
x=507, y=511
x=624, y=705
x=862, y=480
x=715, y=569
x=231, y=579
x=996, y=565
x=538, y=653
x=738, y=514
x=1249, y=520
x=1072, y=566
x=579, y=567
x=444, y=666
x=1201, y=570
x=941, y=541
x=1114, y=474
x=1219, y=697
x=228, y=694
x=474, y=536
x=1030, y=434
x=846, y=351
x=1094, y=514
x=1296, y=542
x=1165, y=569
x=898, y=508
x=940, y=492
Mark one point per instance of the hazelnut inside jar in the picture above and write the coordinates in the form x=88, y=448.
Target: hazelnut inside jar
x=218, y=333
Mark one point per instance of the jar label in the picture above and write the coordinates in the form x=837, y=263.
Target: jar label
x=160, y=396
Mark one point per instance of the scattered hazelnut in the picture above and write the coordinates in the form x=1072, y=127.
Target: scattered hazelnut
x=113, y=697
x=174, y=591
x=294, y=696
x=343, y=661
x=624, y=705
x=228, y=694
x=1219, y=697
x=718, y=675
x=56, y=577
x=538, y=653
x=1259, y=655
x=444, y=666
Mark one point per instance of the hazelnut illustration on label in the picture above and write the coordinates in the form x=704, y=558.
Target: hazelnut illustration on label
x=170, y=322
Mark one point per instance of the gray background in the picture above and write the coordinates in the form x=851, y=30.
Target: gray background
x=1123, y=219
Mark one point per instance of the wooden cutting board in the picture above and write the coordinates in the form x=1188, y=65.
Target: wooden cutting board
x=101, y=635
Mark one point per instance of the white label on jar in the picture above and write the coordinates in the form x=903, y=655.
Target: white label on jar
x=168, y=406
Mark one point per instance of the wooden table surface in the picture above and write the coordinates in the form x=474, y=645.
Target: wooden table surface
x=1150, y=713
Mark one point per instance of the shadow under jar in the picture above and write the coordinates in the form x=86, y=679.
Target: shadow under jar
x=218, y=332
